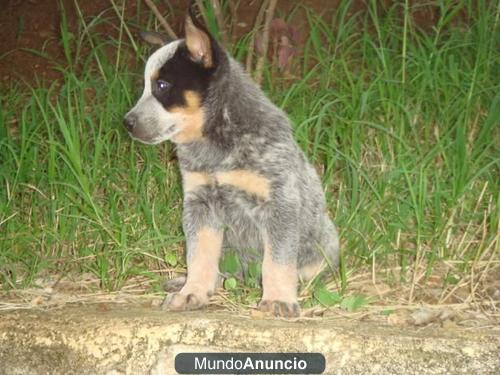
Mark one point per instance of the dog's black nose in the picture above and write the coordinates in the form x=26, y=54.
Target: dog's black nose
x=129, y=122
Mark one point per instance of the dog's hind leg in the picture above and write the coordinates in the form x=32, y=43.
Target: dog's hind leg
x=321, y=254
x=329, y=244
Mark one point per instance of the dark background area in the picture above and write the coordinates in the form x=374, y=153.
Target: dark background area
x=35, y=25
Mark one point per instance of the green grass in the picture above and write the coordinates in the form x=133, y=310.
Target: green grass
x=403, y=123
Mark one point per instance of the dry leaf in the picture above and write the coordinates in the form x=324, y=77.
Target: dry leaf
x=424, y=316
x=398, y=318
x=257, y=314
x=37, y=301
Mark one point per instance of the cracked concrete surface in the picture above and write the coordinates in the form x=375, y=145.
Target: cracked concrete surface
x=136, y=340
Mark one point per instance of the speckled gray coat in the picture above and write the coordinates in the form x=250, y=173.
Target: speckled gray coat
x=247, y=185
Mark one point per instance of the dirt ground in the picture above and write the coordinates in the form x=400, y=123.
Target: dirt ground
x=35, y=25
x=387, y=305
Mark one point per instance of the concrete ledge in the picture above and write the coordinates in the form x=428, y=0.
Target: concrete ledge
x=133, y=340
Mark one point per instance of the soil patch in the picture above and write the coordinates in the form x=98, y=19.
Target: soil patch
x=35, y=25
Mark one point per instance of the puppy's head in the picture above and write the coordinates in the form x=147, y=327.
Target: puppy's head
x=176, y=82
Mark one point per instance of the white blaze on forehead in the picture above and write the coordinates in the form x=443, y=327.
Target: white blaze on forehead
x=154, y=124
x=156, y=61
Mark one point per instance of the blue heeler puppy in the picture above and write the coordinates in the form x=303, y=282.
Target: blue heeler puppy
x=247, y=185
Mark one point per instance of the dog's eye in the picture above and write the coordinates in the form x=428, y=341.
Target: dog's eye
x=162, y=85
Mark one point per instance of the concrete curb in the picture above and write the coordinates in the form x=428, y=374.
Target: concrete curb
x=133, y=340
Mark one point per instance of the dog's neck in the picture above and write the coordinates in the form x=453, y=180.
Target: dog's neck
x=236, y=113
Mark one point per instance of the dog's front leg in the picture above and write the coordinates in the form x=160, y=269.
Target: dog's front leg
x=279, y=266
x=204, y=244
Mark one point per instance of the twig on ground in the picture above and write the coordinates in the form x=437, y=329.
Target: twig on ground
x=265, y=40
x=161, y=19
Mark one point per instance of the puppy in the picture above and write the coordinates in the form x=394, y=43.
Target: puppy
x=247, y=185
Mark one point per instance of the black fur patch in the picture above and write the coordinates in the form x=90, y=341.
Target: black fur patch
x=183, y=74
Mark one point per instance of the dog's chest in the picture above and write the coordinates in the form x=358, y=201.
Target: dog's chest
x=227, y=184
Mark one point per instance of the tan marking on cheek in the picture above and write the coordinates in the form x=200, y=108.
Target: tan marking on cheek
x=248, y=181
x=203, y=267
x=278, y=281
x=192, y=119
x=191, y=181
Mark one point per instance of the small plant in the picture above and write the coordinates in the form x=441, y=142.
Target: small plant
x=325, y=297
x=328, y=299
x=246, y=290
x=171, y=258
x=354, y=302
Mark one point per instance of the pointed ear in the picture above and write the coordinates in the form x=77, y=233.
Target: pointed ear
x=153, y=37
x=198, y=41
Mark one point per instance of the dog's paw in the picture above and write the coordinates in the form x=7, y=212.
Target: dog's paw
x=174, y=285
x=181, y=302
x=280, y=308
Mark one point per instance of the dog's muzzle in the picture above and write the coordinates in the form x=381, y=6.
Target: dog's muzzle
x=129, y=121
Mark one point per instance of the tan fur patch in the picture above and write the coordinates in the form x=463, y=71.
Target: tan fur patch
x=311, y=270
x=192, y=119
x=203, y=268
x=278, y=281
x=248, y=181
x=191, y=181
